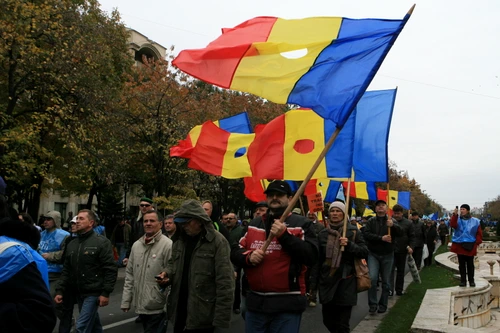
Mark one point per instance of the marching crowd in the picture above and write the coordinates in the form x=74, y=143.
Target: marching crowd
x=195, y=273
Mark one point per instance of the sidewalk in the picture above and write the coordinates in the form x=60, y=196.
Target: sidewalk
x=370, y=323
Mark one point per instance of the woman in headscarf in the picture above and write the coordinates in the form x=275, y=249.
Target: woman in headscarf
x=337, y=275
x=467, y=235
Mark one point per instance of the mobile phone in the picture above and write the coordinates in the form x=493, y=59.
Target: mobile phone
x=456, y=207
x=158, y=277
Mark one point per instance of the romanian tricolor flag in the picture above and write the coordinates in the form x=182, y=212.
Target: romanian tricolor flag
x=288, y=146
x=327, y=187
x=221, y=153
x=361, y=190
x=401, y=198
x=322, y=63
x=238, y=123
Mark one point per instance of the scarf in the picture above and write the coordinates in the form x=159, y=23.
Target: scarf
x=147, y=239
x=333, y=253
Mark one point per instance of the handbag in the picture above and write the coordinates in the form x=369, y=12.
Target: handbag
x=363, y=281
x=468, y=246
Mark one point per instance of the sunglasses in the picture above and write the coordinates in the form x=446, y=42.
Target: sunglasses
x=143, y=205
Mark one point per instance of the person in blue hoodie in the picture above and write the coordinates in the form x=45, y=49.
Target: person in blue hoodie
x=52, y=249
x=25, y=305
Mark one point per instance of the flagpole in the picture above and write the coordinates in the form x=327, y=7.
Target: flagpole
x=302, y=187
x=388, y=204
x=302, y=206
x=347, y=199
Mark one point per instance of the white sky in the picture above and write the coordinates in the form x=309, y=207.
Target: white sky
x=446, y=65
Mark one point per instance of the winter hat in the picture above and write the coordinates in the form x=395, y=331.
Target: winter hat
x=337, y=204
x=191, y=209
x=56, y=216
x=466, y=206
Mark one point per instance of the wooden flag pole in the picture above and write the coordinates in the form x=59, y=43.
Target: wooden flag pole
x=302, y=206
x=388, y=205
x=302, y=187
x=347, y=199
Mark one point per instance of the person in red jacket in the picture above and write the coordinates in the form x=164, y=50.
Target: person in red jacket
x=467, y=236
x=277, y=295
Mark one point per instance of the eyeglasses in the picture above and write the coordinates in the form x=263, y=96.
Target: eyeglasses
x=145, y=205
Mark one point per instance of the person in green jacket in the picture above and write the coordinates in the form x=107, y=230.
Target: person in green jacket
x=200, y=274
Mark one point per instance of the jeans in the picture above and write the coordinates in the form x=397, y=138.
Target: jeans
x=88, y=320
x=380, y=265
x=154, y=323
x=121, y=248
x=399, y=266
x=257, y=322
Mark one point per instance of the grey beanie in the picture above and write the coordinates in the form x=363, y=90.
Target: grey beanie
x=337, y=204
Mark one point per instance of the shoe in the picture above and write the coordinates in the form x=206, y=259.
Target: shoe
x=236, y=311
x=138, y=320
x=399, y=293
x=312, y=304
x=373, y=309
x=472, y=284
x=391, y=292
x=382, y=310
x=463, y=284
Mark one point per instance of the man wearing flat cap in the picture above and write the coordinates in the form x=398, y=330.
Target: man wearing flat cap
x=137, y=225
x=200, y=273
x=380, y=233
x=277, y=295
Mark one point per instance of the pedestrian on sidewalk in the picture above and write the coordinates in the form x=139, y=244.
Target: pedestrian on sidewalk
x=442, y=231
x=404, y=246
x=335, y=272
x=431, y=239
x=380, y=233
x=418, y=227
x=466, y=237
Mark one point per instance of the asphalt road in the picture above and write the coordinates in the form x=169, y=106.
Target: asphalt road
x=116, y=321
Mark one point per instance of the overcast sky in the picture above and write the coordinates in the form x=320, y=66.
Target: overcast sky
x=446, y=65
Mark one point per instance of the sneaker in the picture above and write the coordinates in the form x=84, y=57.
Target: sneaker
x=381, y=310
x=312, y=304
x=373, y=309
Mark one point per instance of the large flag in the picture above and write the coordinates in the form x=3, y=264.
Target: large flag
x=238, y=123
x=434, y=216
x=361, y=190
x=328, y=188
x=288, y=146
x=221, y=153
x=322, y=63
x=401, y=198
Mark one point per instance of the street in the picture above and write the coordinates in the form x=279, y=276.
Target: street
x=116, y=321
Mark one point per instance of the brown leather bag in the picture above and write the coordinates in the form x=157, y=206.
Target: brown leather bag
x=363, y=281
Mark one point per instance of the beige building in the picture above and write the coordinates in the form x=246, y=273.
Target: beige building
x=139, y=46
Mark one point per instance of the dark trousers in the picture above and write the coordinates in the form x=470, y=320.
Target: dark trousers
x=466, y=268
x=431, y=247
x=399, y=266
x=66, y=316
x=417, y=255
x=443, y=239
x=152, y=323
x=237, y=290
x=336, y=317
x=202, y=330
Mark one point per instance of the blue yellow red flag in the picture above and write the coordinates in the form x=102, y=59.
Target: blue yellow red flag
x=239, y=123
x=321, y=63
x=395, y=197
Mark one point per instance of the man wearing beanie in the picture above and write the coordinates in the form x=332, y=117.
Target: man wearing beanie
x=277, y=295
x=52, y=249
x=466, y=237
x=380, y=233
x=334, y=273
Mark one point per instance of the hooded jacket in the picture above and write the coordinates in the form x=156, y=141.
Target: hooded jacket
x=52, y=242
x=210, y=280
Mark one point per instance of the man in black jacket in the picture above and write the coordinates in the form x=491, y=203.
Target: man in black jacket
x=404, y=246
x=418, y=228
x=380, y=233
x=431, y=238
x=90, y=270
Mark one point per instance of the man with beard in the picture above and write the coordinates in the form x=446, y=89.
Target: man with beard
x=277, y=295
